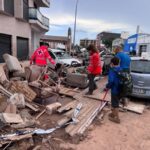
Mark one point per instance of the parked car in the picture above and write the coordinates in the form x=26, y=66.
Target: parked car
x=140, y=72
x=64, y=58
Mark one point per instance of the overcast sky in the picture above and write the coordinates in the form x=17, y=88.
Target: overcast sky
x=95, y=16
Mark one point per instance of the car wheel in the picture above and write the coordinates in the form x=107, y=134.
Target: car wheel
x=74, y=64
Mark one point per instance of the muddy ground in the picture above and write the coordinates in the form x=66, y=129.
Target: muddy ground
x=132, y=134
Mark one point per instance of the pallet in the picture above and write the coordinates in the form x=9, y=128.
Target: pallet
x=20, y=87
x=68, y=92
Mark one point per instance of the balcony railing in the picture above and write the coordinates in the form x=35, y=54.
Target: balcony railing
x=35, y=14
x=42, y=3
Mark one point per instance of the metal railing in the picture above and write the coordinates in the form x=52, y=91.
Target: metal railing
x=35, y=14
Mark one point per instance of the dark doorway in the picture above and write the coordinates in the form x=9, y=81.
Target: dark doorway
x=5, y=45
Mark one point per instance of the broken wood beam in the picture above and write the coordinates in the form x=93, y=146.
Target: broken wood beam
x=52, y=107
x=31, y=106
x=40, y=114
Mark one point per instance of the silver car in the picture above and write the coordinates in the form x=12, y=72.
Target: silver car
x=140, y=71
x=64, y=58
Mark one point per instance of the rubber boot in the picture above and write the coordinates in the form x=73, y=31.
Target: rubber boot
x=115, y=116
x=112, y=113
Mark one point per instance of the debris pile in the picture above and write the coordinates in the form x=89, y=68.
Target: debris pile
x=32, y=96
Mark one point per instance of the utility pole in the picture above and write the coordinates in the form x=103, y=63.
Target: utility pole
x=74, y=36
x=137, y=44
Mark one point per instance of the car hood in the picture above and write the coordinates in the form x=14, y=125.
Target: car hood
x=69, y=61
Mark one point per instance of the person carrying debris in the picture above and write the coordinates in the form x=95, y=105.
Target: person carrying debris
x=94, y=68
x=114, y=85
x=125, y=66
x=41, y=55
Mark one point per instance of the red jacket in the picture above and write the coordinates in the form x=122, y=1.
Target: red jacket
x=95, y=64
x=40, y=56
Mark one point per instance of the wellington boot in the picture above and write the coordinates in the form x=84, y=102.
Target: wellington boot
x=114, y=119
x=112, y=113
x=114, y=116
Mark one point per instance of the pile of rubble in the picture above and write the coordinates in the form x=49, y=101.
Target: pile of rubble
x=31, y=95
x=24, y=94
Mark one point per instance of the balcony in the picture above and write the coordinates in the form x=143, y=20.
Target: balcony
x=42, y=3
x=37, y=20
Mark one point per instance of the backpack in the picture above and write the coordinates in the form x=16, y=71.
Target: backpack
x=125, y=83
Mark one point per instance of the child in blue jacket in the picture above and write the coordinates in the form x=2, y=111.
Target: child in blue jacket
x=113, y=84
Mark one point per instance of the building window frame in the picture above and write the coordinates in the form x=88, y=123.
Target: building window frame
x=9, y=7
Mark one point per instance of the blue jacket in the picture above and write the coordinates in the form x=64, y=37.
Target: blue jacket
x=113, y=80
x=124, y=60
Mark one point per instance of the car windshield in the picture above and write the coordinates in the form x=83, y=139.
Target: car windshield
x=140, y=66
x=62, y=55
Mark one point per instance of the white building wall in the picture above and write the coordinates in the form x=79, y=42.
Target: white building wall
x=35, y=38
x=12, y=26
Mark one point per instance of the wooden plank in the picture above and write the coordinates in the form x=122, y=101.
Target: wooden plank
x=40, y=114
x=67, y=107
x=31, y=107
x=12, y=118
x=91, y=118
x=98, y=93
x=99, y=96
x=92, y=105
x=52, y=107
x=21, y=87
x=135, y=107
x=63, y=121
x=68, y=91
x=88, y=108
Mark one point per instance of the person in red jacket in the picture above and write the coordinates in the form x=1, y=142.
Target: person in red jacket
x=41, y=55
x=94, y=67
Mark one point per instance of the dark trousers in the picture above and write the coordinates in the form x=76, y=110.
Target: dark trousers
x=92, y=84
x=115, y=100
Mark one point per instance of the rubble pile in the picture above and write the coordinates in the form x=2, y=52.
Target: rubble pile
x=32, y=104
x=19, y=112
x=22, y=101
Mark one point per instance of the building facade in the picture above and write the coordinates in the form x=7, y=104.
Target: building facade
x=21, y=26
x=62, y=42
x=138, y=43
x=103, y=36
x=85, y=42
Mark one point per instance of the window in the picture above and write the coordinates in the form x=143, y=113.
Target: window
x=142, y=48
x=25, y=10
x=22, y=48
x=140, y=66
x=9, y=6
x=5, y=45
x=52, y=55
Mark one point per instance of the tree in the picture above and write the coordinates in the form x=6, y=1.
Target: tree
x=107, y=42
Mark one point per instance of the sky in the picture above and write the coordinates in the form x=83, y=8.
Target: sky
x=95, y=16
